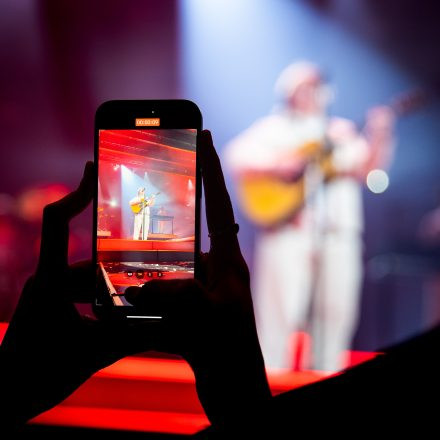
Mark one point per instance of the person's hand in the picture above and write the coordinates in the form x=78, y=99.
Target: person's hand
x=210, y=323
x=379, y=134
x=49, y=350
x=380, y=121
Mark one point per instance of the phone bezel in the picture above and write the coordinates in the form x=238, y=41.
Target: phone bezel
x=121, y=115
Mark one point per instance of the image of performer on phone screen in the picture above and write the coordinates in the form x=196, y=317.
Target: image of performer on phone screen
x=141, y=209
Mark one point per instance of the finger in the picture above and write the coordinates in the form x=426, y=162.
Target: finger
x=55, y=229
x=203, y=267
x=181, y=303
x=80, y=282
x=107, y=341
x=219, y=213
x=165, y=297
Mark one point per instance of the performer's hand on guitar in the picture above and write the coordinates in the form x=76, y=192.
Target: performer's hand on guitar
x=152, y=200
x=380, y=122
x=211, y=323
x=379, y=133
x=149, y=201
x=289, y=167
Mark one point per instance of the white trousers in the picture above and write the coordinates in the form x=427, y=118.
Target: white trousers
x=302, y=283
x=138, y=226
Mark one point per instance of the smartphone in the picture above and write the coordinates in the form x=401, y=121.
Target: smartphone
x=147, y=199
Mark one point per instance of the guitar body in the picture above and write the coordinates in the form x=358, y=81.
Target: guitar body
x=268, y=201
x=138, y=207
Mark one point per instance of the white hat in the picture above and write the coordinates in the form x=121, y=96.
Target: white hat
x=294, y=75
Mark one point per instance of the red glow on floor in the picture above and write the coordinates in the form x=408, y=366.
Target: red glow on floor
x=128, y=420
x=151, y=395
x=117, y=244
x=3, y=328
x=149, y=369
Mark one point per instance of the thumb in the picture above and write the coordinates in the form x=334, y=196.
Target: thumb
x=181, y=303
x=165, y=297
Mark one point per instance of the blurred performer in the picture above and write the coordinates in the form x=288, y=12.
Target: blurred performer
x=141, y=209
x=299, y=177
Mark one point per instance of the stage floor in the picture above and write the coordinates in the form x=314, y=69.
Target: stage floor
x=147, y=251
x=151, y=395
x=117, y=244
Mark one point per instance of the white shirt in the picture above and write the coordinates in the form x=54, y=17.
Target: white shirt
x=260, y=146
x=335, y=206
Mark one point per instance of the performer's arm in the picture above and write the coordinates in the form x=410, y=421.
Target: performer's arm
x=379, y=134
x=150, y=201
x=355, y=154
x=252, y=152
x=347, y=150
x=135, y=201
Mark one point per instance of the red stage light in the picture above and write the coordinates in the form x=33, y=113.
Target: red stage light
x=30, y=204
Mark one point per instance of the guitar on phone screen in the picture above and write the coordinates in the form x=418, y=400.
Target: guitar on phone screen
x=138, y=207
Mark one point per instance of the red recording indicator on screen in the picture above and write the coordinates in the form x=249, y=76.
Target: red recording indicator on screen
x=147, y=122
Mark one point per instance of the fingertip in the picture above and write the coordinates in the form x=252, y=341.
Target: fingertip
x=207, y=150
x=131, y=294
x=89, y=166
x=89, y=171
x=87, y=181
x=206, y=140
x=206, y=135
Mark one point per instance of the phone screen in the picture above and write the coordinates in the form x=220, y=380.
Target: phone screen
x=146, y=207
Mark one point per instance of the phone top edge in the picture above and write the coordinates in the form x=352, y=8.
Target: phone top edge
x=174, y=112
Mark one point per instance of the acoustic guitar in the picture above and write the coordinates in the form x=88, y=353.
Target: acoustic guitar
x=271, y=200
x=140, y=206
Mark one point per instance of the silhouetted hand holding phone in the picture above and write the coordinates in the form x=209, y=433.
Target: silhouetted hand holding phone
x=49, y=350
x=211, y=323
